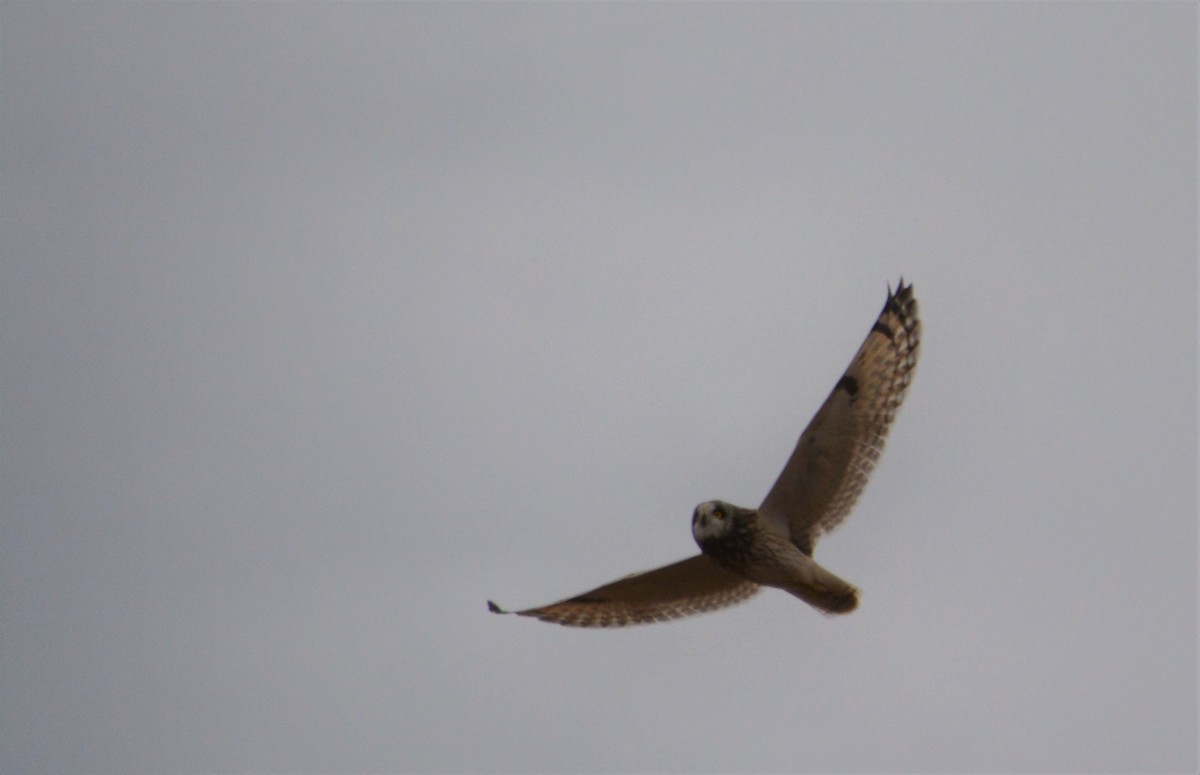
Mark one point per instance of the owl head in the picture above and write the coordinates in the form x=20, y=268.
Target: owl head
x=711, y=519
x=724, y=532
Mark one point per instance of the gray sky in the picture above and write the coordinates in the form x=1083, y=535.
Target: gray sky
x=322, y=324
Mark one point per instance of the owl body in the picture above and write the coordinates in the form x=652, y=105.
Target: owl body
x=743, y=550
x=743, y=543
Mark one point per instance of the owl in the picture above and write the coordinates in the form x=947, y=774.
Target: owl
x=743, y=550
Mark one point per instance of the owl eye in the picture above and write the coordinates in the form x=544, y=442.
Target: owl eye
x=719, y=513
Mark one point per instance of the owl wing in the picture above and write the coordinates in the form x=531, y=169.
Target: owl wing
x=834, y=456
x=680, y=589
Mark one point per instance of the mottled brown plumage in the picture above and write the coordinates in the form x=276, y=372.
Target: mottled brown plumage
x=680, y=589
x=743, y=549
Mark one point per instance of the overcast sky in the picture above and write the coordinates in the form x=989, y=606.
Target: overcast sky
x=323, y=324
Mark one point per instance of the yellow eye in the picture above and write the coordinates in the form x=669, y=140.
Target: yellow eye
x=719, y=513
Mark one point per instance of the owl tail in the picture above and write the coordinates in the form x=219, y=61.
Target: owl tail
x=823, y=590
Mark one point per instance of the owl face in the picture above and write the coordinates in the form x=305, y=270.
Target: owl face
x=713, y=520
x=726, y=533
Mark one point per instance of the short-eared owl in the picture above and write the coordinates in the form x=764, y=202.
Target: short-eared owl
x=743, y=549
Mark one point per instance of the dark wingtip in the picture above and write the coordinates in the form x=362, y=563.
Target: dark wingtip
x=902, y=293
x=495, y=608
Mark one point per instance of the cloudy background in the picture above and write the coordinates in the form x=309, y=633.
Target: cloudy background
x=322, y=324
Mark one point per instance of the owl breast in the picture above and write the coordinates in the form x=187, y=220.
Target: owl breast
x=735, y=548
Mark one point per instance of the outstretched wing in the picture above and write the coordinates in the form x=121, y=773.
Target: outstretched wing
x=834, y=456
x=680, y=589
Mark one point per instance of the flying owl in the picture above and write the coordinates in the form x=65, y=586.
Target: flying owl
x=744, y=549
